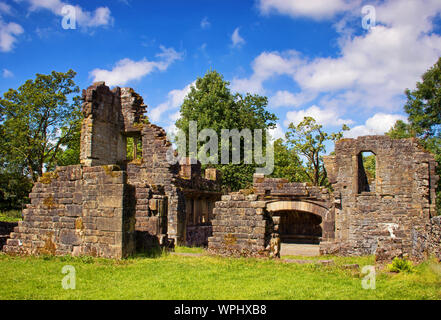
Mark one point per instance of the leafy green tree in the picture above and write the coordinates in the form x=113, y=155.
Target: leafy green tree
x=308, y=140
x=287, y=163
x=70, y=153
x=212, y=104
x=36, y=120
x=369, y=164
x=424, y=104
x=14, y=190
x=401, y=130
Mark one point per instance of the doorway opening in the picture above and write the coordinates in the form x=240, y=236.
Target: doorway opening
x=300, y=233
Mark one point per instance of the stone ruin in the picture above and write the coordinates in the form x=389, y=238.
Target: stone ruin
x=114, y=204
x=393, y=216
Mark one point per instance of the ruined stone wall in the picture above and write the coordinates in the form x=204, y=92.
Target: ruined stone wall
x=389, y=220
x=101, y=139
x=160, y=175
x=242, y=226
x=77, y=211
x=120, y=113
x=200, y=193
x=434, y=243
x=150, y=206
x=133, y=110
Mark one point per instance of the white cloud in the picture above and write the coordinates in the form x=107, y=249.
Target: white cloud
x=284, y=98
x=175, y=116
x=171, y=131
x=316, y=9
x=175, y=98
x=237, y=39
x=265, y=66
x=380, y=123
x=205, y=24
x=101, y=16
x=8, y=35
x=322, y=116
x=7, y=73
x=251, y=85
x=5, y=8
x=370, y=70
x=277, y=132
x=374, y=68
x=127, y=70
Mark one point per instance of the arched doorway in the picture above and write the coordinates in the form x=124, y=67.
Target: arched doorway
x=300, y=226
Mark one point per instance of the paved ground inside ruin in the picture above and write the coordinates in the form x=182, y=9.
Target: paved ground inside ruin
x=291, y=249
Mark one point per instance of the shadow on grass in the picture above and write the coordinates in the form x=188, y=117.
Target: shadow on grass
x=152, y=253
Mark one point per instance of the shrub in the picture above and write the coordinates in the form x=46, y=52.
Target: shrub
x=401, y=265
x=10, y=215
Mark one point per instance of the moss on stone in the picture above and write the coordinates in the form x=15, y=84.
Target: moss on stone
x=47, y=177
x=138, y=125
x=248, y=191
x=230, y=239
x=111, y=170
x=260, y=180
x=49, y=202
x=137, y=162
x=79, y=225
x=49, y=247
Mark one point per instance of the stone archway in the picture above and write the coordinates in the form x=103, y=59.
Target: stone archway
x=300, y=225
x=303, y=206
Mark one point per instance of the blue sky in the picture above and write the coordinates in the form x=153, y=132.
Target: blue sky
x=309, y=57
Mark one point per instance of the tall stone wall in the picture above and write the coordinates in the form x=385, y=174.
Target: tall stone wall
x=389, y=220
x=77, y=211
x=101, y=139
x=158, y=171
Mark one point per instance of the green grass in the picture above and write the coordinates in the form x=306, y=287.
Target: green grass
x=10, y=215
x=206, y=277
x=189, y=250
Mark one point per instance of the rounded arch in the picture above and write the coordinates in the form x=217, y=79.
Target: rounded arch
x=297, y=206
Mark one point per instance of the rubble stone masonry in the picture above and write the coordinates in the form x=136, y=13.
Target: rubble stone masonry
x=241, y=226
x=393, y=216
x=76, y=211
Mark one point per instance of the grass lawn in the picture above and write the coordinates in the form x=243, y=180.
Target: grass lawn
x=206, y=277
